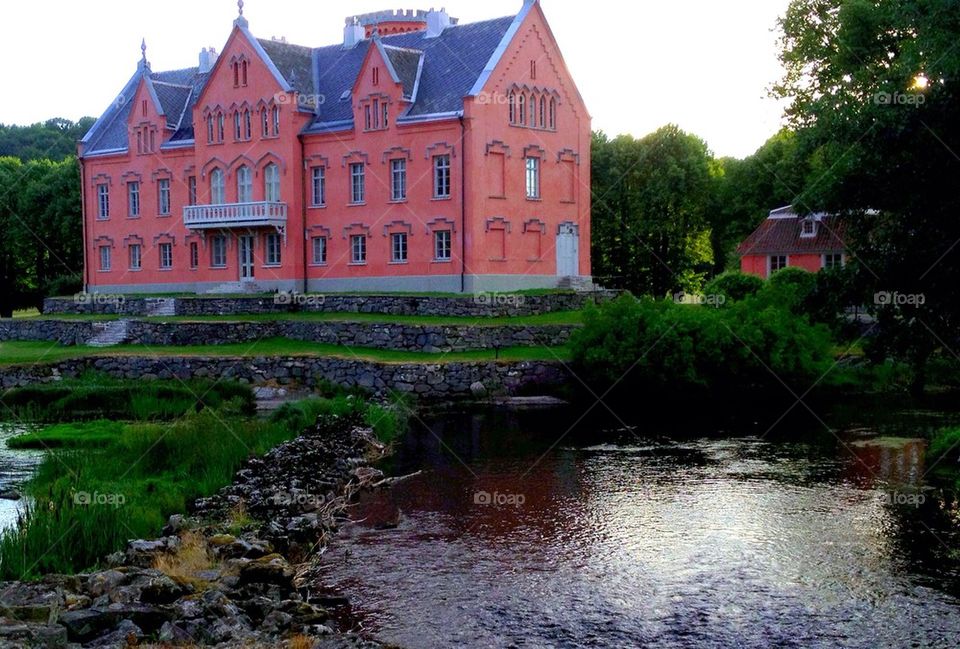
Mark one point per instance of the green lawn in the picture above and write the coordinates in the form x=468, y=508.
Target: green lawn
x=557, y=318
x=42, y=352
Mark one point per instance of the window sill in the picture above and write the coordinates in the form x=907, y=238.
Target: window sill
x=357, y=263
x=165, y=270
x=357, y=204
x=134, y=217
x=442, y=198
x=399, y=201
x=104, y=270
x=218, y=268
x=134, y=270
x=103, y=218
x=315, y=265
x=398, y=263
x=322, y=206
x=272, y=266
x=442, y=261
x=498, y=198
x=164, y=216
x=534, y=199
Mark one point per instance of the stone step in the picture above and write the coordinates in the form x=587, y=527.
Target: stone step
x=109, y=334
x=161, y=306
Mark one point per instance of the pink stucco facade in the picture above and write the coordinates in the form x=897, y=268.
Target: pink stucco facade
x=391, y=198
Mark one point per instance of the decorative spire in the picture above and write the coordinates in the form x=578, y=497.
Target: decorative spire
x=240, y=7
x=143, y=50
x=241, y=21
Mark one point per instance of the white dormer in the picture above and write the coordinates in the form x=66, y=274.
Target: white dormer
x=808, y=228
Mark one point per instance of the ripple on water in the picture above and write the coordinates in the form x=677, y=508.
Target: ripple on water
x=16, y=467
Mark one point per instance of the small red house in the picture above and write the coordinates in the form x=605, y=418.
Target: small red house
x=787, y=239
x=418, y=154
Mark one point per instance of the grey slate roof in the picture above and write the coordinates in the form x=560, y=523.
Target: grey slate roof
x=451, y=65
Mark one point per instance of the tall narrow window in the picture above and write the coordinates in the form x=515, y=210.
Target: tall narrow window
x=247, y=126
x=358, y=189
x=533, y=111
x=217, y=194
x=163, y=197
x=273, y=249
x=367, y=118
x=319, y=184
x=376, y=113
x=522, y=109
x=271, y=180
x=210, y=131
x=135, y=260
x=194, y=254
x=376, y=76
x=218, y=251
x=533, y=69
x=441, y=176
x=386, y=115
x=243, y=73
x=103, y=201
x=237, y=126
x=441, y=245
x=219, y=127
x=358, y=249
x=236, y=75
x=398, y=248
x=192, y=190
x=398, y=179
x=543, y=112
x=166, y=255
x=319, y=250
x=553, y=114
x=533, y=178
x=244, y=185
x=133, y=199
x=512, y=103
x=276, y=120
x=265, y=122
x=105, y=258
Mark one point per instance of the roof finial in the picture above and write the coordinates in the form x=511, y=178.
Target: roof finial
x=241, y=21
x=240, y=6
x=143, y=50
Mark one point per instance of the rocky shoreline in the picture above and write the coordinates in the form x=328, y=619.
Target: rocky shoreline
x=231, y=573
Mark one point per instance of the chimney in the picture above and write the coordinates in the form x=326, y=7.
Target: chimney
x=437, y=21
x=208, y=57
x=353, y=34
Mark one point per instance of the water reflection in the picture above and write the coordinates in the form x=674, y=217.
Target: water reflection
x=16, y=467
x=644, y=540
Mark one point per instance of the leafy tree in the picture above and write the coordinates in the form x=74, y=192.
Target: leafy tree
x=54, y=139
x=873, y=96
x=650, y=200
x=734, y=286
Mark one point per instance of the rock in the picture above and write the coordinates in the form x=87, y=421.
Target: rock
x=271, y=569
x=478, y=389
x=126, y=634
x=88, y=624
x=10, y=494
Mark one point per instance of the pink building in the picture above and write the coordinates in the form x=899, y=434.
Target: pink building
x=417, y=155
x=786, y=239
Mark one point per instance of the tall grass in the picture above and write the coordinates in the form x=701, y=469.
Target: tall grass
x=88, y=502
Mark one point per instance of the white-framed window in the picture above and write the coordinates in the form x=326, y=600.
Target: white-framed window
x=244, y=185
x=276, y=120
x=358, y=181
x=247, y=122
x=398, y=179
x=318, y=176
x=105, y=258
x=533, y=178
x=265, y=122
x=398, y=248
x=833, y=260
x=273, y=249
x=163, y=197
x=778, y=262
x=194, y=254
x=441, y=176
x=319, y=250
x=441, y=245
x=271, y=180
x=192, y=190
x=218, y=251
x=133, y=199
x=808, y=228
x=217, y=192
x=237, y=126
x=166, y=255
x=135, y=256
x=103, y=201
x=358, y=249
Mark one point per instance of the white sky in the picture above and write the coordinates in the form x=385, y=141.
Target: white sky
x=703, y=64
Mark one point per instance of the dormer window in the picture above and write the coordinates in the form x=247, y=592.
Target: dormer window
x=808, y=228
x=376, y=114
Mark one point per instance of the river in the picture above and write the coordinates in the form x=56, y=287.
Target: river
x=636, y=538
x=16, y=467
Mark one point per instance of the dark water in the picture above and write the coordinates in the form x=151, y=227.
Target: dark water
x=635, y=539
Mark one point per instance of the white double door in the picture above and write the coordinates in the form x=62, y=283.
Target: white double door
x=568, y=250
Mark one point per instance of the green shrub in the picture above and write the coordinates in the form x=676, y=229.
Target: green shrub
x=91, y=434
x=945, y=446
x=734, y=286
x=661, y=348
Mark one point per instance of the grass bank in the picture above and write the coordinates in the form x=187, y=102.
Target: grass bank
x=20, y=353
x=89, y=500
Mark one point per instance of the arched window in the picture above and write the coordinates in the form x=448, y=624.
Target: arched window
x=210, y=130
x=533, y=110
x=236, y=75
x=276, y=120
x=216, y=188
x=247, y=127
x=271, y=183
x=237, y=132
x=243, y=73
x=543, y=112
x=553, y=113
x=512, y=102
x=219, y=127
x=265, y=122
x=244, y=185
x=522, y=110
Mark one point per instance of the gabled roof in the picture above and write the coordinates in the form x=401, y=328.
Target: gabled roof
x=780, y=234
x=436, y=75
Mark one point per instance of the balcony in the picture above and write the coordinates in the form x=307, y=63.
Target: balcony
x=236, y=215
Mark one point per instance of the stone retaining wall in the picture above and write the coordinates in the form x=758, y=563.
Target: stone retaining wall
x=401, y=337
x=427, y=381
x=481, y=305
